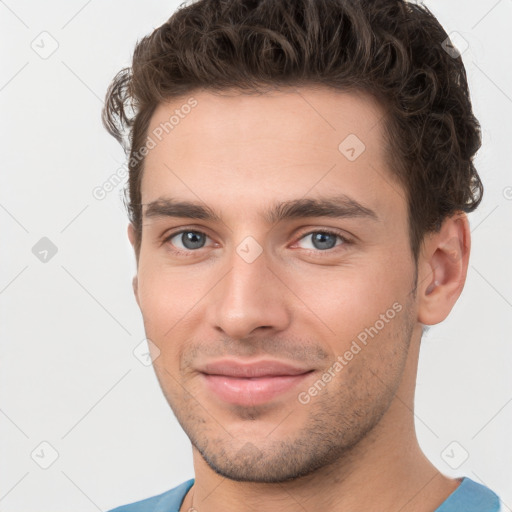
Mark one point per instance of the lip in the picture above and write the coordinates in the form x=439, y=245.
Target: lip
x=251, y=383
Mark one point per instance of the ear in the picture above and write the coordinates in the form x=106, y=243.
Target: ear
x=131, y=234
x=135, y=282
x=442, y=269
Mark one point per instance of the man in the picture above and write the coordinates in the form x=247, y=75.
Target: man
x=300, y=174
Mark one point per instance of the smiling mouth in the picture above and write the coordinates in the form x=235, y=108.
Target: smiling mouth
x=249, y=391
x=251, y=384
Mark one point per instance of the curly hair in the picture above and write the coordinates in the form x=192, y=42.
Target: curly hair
x=394, y=50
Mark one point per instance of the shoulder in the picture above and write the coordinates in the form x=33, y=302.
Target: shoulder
x=471, y=496
x=168, y=501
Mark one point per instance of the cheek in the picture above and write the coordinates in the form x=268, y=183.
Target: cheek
x=165, y=290
x=166, y=299
x=349, y=299
x=172, y=302
x=163, y=322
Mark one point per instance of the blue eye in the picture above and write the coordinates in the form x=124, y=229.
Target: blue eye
x=323, y=240
x=189, y=240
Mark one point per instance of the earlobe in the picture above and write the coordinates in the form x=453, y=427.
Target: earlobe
x=444, y=261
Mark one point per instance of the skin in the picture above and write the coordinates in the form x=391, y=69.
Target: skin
x=353, y=444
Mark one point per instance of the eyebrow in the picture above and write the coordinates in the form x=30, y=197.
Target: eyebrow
x=340, y=206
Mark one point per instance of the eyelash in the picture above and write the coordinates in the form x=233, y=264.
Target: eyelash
x=345, y=241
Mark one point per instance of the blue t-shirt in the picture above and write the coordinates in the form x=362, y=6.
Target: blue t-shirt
x=468, y=497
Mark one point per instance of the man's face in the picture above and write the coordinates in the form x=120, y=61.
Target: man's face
x=283, y=332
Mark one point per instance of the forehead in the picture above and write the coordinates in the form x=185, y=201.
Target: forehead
x=316, y=114
x=290, y=143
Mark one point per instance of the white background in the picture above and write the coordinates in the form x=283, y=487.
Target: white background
x=69, y=326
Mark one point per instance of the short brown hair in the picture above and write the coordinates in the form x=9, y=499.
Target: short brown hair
x=391, y=49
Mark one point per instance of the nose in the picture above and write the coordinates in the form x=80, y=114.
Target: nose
x=249, y=297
